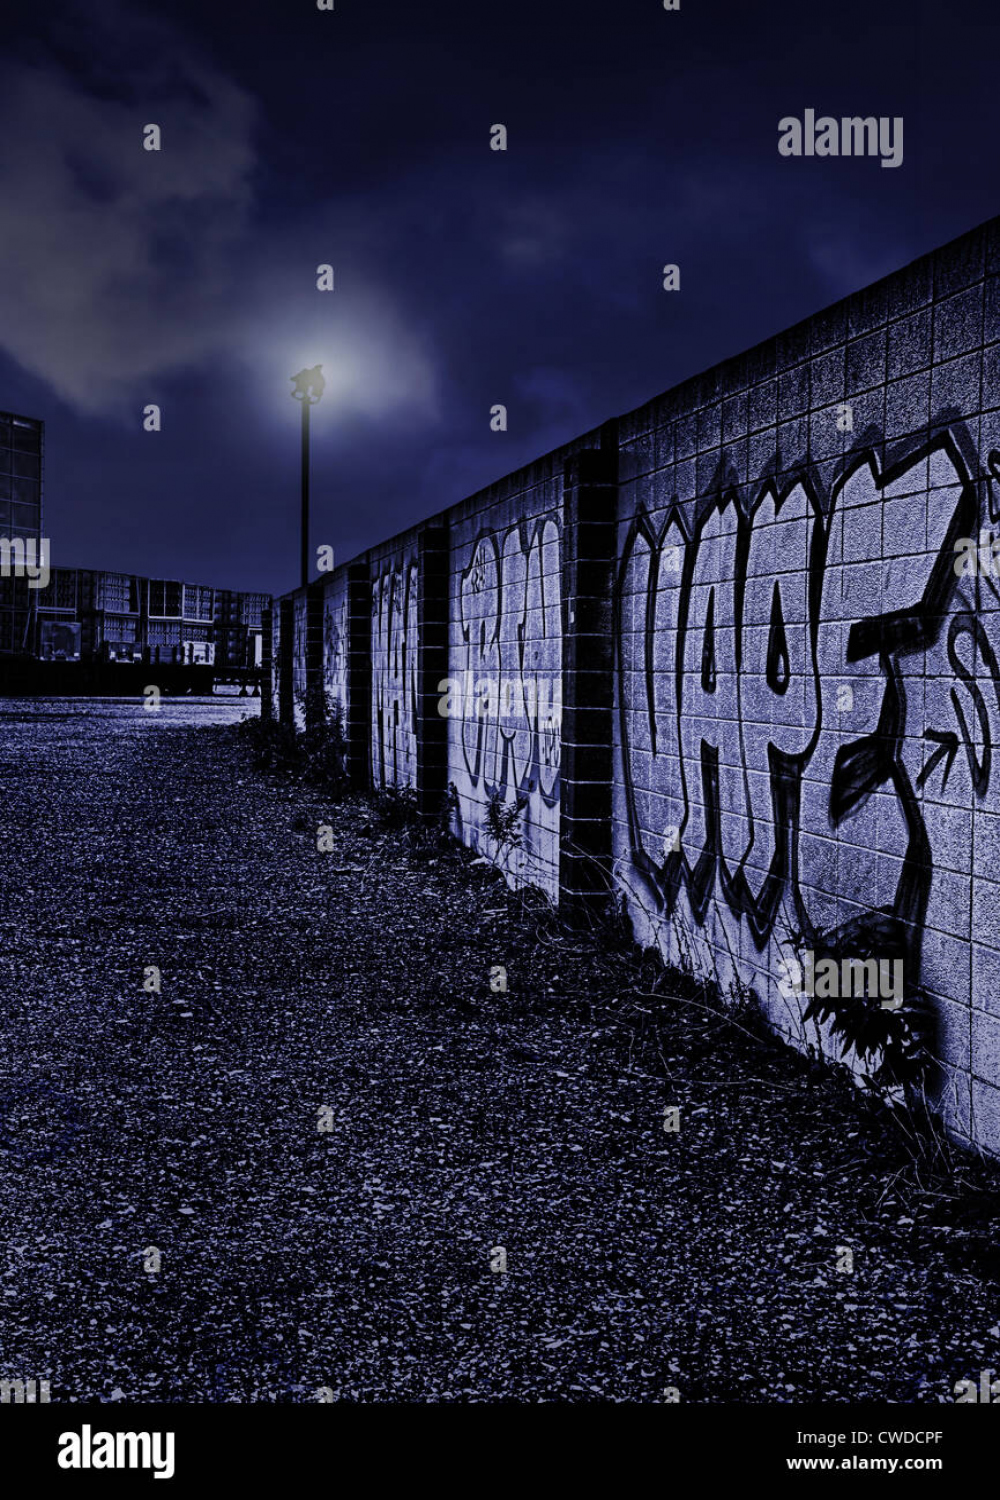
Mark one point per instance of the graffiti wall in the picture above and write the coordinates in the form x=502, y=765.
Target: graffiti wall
x=806, y=638
x=272, y=689
x=807, y=648
x=335, y=643
x=395, y=579
x=503, y=695
x=299, y=621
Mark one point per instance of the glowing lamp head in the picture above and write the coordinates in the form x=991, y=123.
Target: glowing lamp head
x=308, y=385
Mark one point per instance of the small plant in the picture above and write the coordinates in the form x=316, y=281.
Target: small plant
x=743, y=1004
x=316, y=754
x=451, y=811
x=502, y=822
x=272, y=745
x=617, y=930
x=396, y=809
x=892, y=1044
x=324, y=747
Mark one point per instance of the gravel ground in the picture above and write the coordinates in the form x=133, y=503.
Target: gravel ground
x=350, y=990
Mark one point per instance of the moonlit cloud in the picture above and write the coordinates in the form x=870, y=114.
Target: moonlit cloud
x=93, y=298
x=121, y=267
x=372, y=362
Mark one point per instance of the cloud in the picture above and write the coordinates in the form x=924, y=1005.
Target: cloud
x=120, y=267
x=534, y=233
x=114, y=261
x=852, y=248
x=553, y=396
x=374, y=361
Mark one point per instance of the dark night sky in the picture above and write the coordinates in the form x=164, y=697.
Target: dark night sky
x=464, y=277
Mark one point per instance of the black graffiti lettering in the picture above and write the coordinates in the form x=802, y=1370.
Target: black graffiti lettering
x=708, y=669
x=761, y=644
x=979, y=766
x=779, y=669
x=511, y=632
x=394, y=674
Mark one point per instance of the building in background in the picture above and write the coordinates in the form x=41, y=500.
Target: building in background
x=91, y=615
x=22, y=443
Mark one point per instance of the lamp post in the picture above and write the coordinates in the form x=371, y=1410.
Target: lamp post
x=307, y=387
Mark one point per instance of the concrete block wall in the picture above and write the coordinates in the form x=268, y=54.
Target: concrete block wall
x=300, y=631
x=283, y=660
x=267, y=705
x=336, y=641
x=395, y=588
x=745, y=642
x=505, y=667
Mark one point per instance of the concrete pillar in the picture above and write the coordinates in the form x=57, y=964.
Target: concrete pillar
x=432, y=668
x=266, y=661
x=315, y=704
x=590, y=497
x=286, y=659
x=358, y=726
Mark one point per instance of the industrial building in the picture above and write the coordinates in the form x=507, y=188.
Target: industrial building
x=90, y=615
x=22, y=442
x=95, y=616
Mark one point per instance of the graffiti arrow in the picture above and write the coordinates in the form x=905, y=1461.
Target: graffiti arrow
x=947, y=744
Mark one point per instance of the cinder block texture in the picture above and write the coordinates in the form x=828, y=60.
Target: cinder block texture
x=742, y=647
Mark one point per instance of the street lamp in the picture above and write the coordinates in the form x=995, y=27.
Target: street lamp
x=307, y=387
